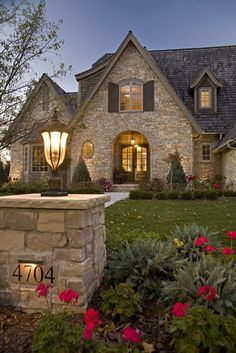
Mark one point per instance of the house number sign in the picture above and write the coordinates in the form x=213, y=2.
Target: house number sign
x=31, y=273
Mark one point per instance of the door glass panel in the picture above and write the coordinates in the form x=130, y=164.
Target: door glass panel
x=127, y=158
x=141, y=161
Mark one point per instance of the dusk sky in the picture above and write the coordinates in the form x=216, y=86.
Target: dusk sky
x=94, y=27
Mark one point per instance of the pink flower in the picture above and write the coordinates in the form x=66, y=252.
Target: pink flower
x=42, y=289
x=227, y=251
x=87, y=334
x=210, y=249
x=217, y=186
x=131, y=334
x=208, y=292
x=91, y=319
x=231, y=234
x=200, y=241
x=68, y=295
x=179, y=309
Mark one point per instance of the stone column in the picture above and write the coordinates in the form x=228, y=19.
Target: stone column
x=59, y=240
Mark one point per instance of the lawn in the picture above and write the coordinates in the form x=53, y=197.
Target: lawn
x=134, y=218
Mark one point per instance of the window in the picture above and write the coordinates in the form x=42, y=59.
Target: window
x=131, y=96
x=87, y=149
x=141, y=159
x=127, y=159
x=205, y=98
x=26, y=158
x=39, y=163
x=206, y=152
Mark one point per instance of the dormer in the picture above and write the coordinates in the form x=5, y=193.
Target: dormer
x=205, y=89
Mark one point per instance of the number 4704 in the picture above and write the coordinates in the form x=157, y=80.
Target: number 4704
x=29, y=273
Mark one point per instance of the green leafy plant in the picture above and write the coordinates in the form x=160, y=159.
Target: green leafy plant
x=184, y=237
x=203, y=331
x=141, y=195
x=121, y=303
x=162, y=195
x=206, y=272
x=81, y=174
x=176, y=176
x=187, y=195
x=144, y=263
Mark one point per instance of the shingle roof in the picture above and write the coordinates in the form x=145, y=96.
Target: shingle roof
x=182, y=66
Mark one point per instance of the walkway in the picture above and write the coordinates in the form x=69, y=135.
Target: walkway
x=116, y=196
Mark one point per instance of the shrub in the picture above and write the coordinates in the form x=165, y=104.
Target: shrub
x=144, y=263
x=211, y=195
x=141, y=195
x=206, y=272
x=203, y=331
x=229, y=193
x=15, y=188
x=198, y=194
x=187, y=235
x=93, y=189
x=156, y=184
x=161, y=195
x=187, y=195
x=176, y=176
x=118, y=176
x=106, y=184
x=121, y=303
x=81, y=174
x=174, y=195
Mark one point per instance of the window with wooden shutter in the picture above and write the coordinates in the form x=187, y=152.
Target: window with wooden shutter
x=113, y=97
x=148, y=96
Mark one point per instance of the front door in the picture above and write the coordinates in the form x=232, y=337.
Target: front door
x=134, y=161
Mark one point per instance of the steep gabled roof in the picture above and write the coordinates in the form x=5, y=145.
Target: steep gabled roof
x=130, y=38
x=205, y=71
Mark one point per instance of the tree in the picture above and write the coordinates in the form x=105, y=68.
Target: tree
x=176, y=176
x=26, y=37
x=81, y=174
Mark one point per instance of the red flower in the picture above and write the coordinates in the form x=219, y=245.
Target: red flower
x=179, y=309
x=68, y=295
x=87, y=334
x=231, y=234
x=210, y=249
x=131, y=334
x=42, y=289
x=200, y=241
x=208, y=292
x=217, y=186
x=191, y=177
x=227, y=251
x=91, y=319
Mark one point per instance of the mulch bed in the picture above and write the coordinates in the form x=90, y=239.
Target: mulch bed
x=17, y=327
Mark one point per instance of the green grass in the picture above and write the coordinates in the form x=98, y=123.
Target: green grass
x=129, y=219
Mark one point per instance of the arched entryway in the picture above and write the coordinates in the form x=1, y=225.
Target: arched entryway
x=131, y=154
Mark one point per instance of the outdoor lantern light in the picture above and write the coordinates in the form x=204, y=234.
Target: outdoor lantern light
x=54, y=135
x=132, y=141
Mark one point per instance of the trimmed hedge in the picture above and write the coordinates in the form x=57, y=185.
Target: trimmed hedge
x=175, y=195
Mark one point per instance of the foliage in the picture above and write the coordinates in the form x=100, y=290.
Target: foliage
x=121, y=303
x=81, y=174
x=27, y=37
x=155, y=184
x=140, y=195
x=187, y=195
x=106, y=184
x=118, y=176
x=163, y=195
x=203, y=331
x=207, y=271
x=23, y=188
x=144, y=263
x=89, y=188
x=176, y=176
x=4, y=172
x=187, y=235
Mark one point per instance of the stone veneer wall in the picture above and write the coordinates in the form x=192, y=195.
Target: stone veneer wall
x=205, y=169
x=66, y=232
x=229, y=168
x=166, y=128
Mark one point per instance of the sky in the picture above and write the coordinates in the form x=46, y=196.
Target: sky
x=93, y=27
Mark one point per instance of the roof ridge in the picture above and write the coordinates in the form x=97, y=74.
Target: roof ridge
x=194, y=48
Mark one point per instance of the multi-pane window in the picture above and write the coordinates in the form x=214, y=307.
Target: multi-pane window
x=206, y=152
x=127, y=159
x=205, y=98
x=141, y=159
x=26, y=158
x=131, y=96
x=39, y=163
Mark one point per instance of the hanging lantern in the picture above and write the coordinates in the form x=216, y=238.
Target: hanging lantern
x=132, y=141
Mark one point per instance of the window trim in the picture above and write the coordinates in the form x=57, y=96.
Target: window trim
x=26, y=148
x=130, y=83
x=206, y=160
x=31, y=159
x=210, y=97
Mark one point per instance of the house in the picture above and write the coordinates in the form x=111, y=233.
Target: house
x=133, y=108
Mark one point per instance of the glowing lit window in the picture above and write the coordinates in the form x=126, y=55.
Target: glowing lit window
x=141, y=161
x=39, y=163
x=206, y=152
x=26, y=157
x=131, y=97
x=205, y=98
x=127, y=159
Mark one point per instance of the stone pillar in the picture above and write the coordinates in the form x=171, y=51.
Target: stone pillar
x=59, y=240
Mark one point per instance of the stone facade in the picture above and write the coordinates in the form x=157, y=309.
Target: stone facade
x=229, y=168
x=166, y=129
x=66, y=233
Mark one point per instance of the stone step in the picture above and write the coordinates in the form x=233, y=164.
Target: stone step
x=125, y=187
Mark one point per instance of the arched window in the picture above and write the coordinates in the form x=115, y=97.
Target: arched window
x=131, y=96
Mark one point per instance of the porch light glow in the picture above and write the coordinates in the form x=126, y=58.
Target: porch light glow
x=132, y=141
